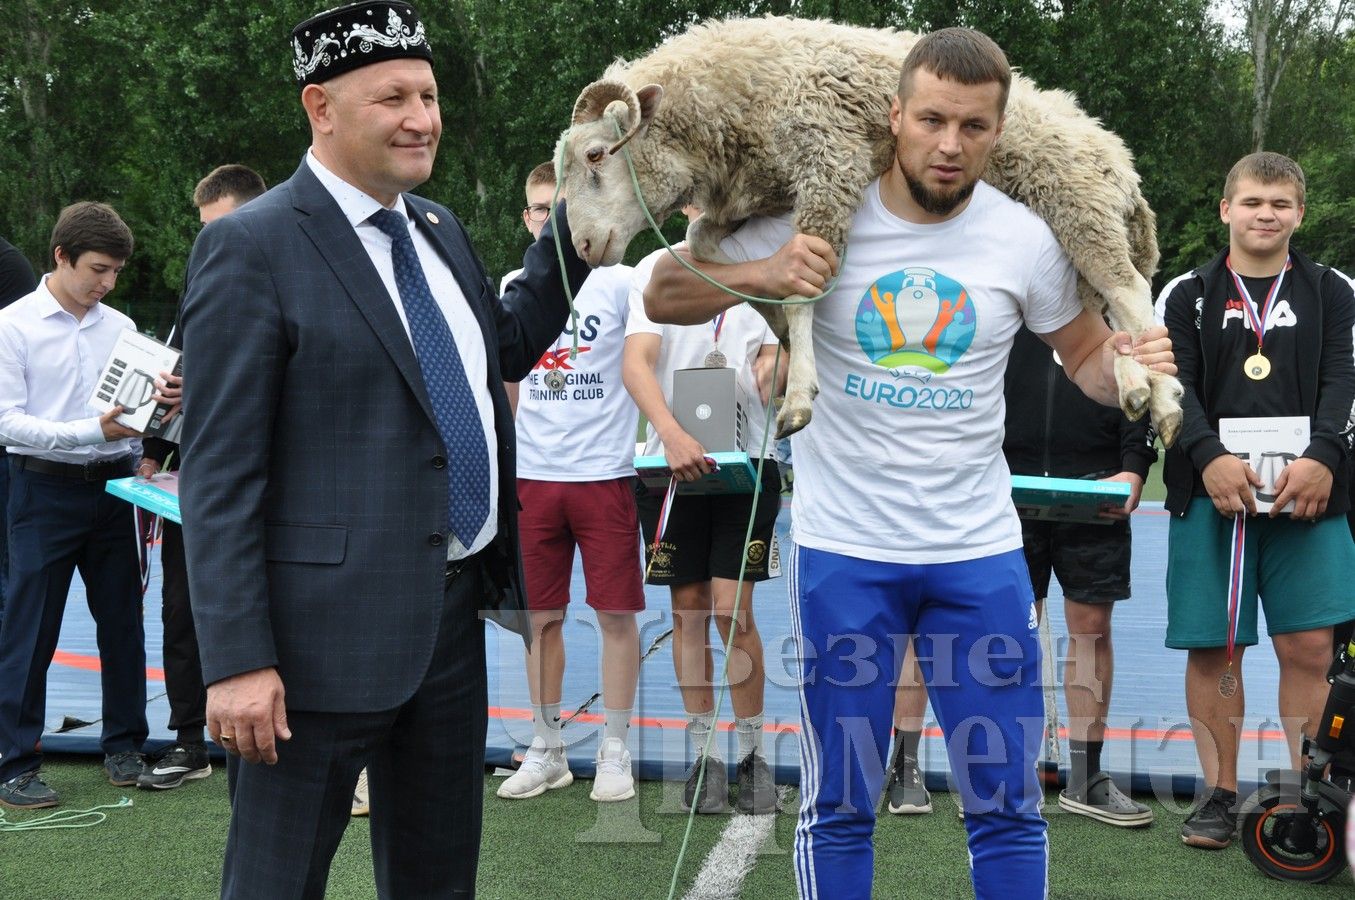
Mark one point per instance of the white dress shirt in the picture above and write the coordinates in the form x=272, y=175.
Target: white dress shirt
x=49, y=364
x=358, y=207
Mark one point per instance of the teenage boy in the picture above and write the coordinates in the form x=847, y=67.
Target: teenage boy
x=898, y=528
x=1261, y=331
x=53, y=345
x=223, y=190
x=576, y=442
x=701, y=549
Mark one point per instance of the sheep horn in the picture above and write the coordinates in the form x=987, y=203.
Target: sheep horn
x=595, y=98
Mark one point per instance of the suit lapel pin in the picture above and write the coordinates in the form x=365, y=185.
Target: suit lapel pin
x=432, y=217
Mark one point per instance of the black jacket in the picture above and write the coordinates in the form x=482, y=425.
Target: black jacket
x=1193, y=312
x=1054, y=429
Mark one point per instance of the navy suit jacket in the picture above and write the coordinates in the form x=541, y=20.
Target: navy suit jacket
x=314, y=483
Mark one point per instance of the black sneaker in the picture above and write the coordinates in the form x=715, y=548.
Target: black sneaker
x=757, y=788
x=1212, y=823
x=124, y=768
x=907, y=794
x=1101, y=800
x=180, y=763
x=27, y=791
x=714, y=787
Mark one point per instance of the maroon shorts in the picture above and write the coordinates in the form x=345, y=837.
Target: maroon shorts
x=598, y=516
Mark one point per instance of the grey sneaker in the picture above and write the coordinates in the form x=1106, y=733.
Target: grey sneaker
x=1101, y=800
x=124, y=768
x=714, y=786
x=907, y=794
x=27, y=791
x=1212, y=823
x=180, y=763
x=757, y=788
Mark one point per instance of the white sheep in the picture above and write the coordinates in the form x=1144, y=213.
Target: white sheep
x=760, y=117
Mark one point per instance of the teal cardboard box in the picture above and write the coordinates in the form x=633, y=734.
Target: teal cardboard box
x=733, y=473
x=160, y=494
x=1066, y=499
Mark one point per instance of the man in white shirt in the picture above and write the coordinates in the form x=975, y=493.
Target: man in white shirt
x=902, y=520
x=576, y=478
x=54, y=344
x=700, y=552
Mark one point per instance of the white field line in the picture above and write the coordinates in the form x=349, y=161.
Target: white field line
x=732, y=857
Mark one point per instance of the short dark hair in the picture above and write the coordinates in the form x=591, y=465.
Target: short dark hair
x=966, y=55
x=90, y=227
x=1267, y=168
x=542, y=174
x=233, y=180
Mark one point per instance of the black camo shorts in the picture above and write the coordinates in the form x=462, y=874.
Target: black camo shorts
x=1091, y=562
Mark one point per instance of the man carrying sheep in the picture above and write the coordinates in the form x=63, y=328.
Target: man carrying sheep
x=902, y=518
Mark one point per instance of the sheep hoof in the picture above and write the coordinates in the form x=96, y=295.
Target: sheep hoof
x=1134, y=402
x=791, y=420
x=1168, y=428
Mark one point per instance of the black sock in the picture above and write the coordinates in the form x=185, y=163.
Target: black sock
x=191, y=736
x=905, y=748
x=1084, y=761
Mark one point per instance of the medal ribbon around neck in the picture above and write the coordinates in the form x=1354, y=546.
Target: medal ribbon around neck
x=1259, y=320
x=719, y=323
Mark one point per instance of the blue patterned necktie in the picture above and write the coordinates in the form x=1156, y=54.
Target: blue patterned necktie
x=454, y=407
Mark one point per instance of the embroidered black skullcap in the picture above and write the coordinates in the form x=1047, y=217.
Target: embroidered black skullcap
x=350, y=37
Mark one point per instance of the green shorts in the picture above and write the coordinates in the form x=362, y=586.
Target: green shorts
x=1304, y=573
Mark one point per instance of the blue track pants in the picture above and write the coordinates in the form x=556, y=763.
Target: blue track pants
x=978, y=646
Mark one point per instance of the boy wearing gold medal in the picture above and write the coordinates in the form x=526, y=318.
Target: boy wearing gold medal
x=1261, y=331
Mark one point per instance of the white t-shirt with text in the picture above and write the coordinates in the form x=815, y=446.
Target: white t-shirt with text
x=586, y=430
x=902, y=461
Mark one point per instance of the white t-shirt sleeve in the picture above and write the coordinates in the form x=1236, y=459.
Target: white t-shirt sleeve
x=758, y=238
x=1050, y=301
x=637, y=322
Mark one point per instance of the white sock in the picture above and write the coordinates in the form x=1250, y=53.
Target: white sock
x=615, y=724
x=699, y=727
x=546, y=724
x=749, y=731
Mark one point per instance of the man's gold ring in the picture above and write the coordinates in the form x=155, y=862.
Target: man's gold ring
x=227, y=738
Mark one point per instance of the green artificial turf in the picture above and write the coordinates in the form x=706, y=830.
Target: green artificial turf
x=168, y=846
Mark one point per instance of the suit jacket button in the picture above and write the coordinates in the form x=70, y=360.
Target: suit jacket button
x=435, y=539
x=439, y=462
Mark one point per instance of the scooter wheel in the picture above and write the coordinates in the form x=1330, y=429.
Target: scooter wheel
x=1264, y=821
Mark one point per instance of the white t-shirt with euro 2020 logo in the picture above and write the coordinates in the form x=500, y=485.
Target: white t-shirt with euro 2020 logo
x=575, y=419
x=902, y=461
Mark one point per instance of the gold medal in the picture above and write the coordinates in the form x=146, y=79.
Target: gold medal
x=1227, y=684
x=1257, y=367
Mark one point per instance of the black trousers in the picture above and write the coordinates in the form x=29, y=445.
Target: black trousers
x=183, y=665
x=425, y=768
x=58, y=525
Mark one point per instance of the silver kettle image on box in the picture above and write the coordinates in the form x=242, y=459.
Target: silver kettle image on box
x=1273, y=462
x=135, y=390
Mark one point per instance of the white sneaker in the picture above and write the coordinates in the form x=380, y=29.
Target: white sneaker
x=542, y=770
x=613, y=780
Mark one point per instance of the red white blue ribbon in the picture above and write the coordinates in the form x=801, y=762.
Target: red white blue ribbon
x=1235, y=569
x=719, y=323
x=1259, y=319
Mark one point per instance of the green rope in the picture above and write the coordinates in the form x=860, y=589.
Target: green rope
x=729, y=642
x=69, y=818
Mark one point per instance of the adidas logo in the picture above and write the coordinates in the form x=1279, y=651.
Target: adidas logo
x=1034, y=623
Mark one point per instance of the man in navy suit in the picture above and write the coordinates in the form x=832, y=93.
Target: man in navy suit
x=339, y=576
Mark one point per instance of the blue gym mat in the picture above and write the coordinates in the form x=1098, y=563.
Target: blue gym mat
x=1149, y=745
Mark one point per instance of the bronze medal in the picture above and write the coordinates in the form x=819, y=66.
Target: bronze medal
x=1257, y=367
x=1227, y=684
x=716, y=360
x=555, y=380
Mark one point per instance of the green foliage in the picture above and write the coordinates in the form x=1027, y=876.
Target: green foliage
x=133, y=103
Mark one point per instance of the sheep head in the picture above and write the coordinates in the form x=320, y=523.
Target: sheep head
x=603, y=212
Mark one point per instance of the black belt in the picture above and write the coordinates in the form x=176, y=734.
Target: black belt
x=456, y=567
x=103, y=470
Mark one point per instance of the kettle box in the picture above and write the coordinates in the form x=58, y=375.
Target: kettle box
x=128, y=380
